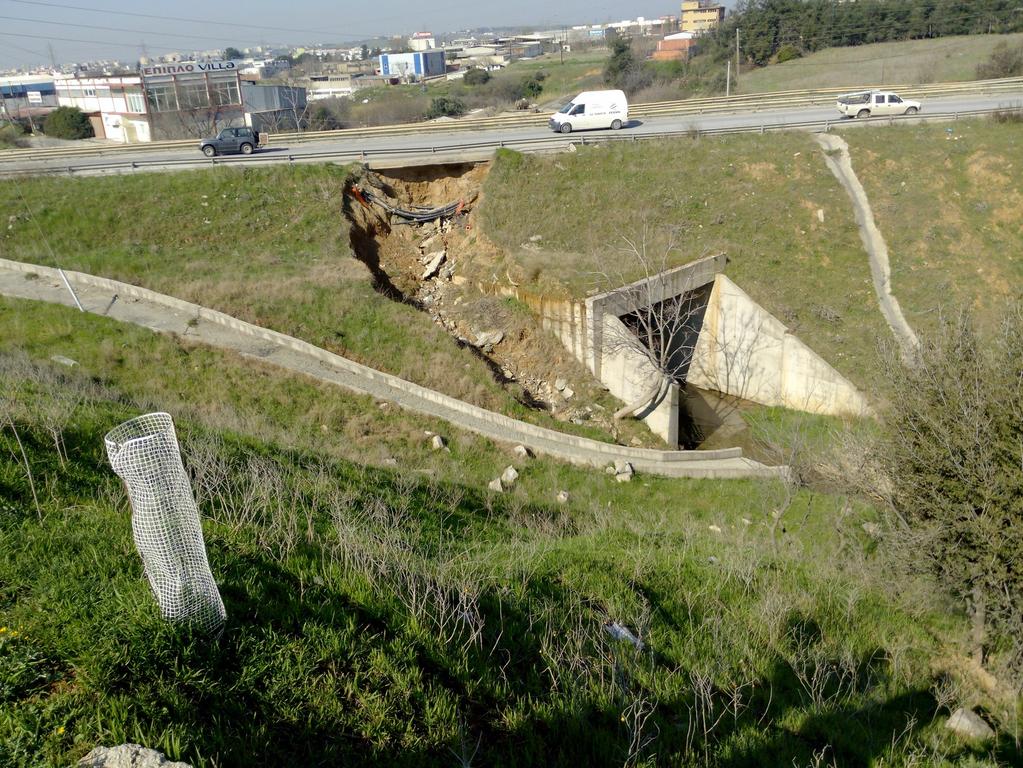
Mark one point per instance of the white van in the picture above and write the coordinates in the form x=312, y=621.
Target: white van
x=592, y=109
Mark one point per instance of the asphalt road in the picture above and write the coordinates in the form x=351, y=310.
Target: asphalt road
x=460, y=143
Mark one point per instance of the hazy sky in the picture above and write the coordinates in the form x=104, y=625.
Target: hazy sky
x=82, y=30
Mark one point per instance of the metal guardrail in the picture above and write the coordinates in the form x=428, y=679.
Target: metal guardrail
x=698, y=106
x=552, y=142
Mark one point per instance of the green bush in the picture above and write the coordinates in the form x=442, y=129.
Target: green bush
x=788, y=53
x=12, y=135
x=68, y=123
x=476, y=77
x=445, y=106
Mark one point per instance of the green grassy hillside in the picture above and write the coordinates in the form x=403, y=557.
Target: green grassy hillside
x=402, y=616
x=944, y=59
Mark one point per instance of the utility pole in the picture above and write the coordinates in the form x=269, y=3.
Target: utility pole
x=736, y=58
x=53, y=59
x=728, y=79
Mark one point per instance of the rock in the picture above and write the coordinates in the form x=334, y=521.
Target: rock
x=437, y=442
x=560, y=384
x=390, y=461
x=713, y=560
x=619, y=632
x=522, y=452
x=495, y=485
x=623, y=478
x=873, y=530
x=820, y=215
x=433, y=267
x=509, y=476
x=127, y=756
x=969, y=725
x=714, y=528
x=636, y=442
x=747, y=521
x=567, y=393
x=535, y=238
x=489, y=338
x=610, y=470
x=64, y=360
x=459, y=280
x=623, y=467
x=562, y=497
x=425, y=245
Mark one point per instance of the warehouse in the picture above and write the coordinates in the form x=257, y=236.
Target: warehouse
x=413, y=66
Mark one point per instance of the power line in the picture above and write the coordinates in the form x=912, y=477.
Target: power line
x=122, y=29
x=78, y=40
x=234, y=24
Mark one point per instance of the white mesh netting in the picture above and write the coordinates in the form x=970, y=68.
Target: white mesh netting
x=165, y=520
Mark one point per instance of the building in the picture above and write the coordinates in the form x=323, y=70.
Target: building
x=193, y=98
x=677, y=47
x=264, y=69
x=417, y=65
x=700, y=15
x=273, y=108
x=116, y=105
x=422, y=41
x=27, y=96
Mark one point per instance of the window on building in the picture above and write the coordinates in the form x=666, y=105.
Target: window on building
x=88, y=91
x=225, y=92
x=162, y=97
x=192, y=94
x=135, y=102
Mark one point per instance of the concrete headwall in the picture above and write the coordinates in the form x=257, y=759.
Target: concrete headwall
x=745, y=351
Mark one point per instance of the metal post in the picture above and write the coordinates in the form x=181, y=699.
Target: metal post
x=71, y=290
x=728, y=79
x=736, y=59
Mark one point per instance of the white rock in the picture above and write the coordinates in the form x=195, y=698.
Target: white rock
x=562, y=497
x=623, y=467
x=623, y=478
x=535, y=238
x=567, y=393
x=489, y=338
x=437, y=442
x=64, y=360
x=610, y=470
x=714, y=528
x=509, y=476
x=969, y=725
x=495, y=485
x=820, y=215
x=127, y=756
x=522, y=451
x=560, y=384
x=436, y=259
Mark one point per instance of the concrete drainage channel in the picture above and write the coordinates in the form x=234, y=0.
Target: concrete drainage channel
x=167, y=314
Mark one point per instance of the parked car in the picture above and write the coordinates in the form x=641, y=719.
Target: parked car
x=875, y=104
x=592, y=109
x=244, y=140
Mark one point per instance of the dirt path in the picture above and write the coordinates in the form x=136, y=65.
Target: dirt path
x=167, y=314
x=836, y=155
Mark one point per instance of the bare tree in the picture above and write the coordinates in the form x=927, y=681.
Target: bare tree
x=658, y=316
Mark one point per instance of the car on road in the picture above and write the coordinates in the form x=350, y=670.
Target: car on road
x=875, y=104
x=592, y=109
x=244, y=140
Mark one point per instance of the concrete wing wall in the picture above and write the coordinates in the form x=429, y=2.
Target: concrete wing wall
x=745, y=351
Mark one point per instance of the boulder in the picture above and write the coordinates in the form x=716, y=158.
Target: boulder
x=433, y=266
x=623, y=478
x=437, y=442
x=567, y=393
x=509, y=476
x=489, y=338
x=562, y=497
x=522, y=452
x=64, y=360
x=623, y=467
x=495, y=485
x=560, y=384
x=969, y=725
x=127, y=756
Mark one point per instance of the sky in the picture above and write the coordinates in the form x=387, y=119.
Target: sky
x=83, y=30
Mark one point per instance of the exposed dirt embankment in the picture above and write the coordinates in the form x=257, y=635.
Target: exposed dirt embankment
x=439, y=265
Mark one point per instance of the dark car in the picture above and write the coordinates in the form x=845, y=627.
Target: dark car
x=244, y=140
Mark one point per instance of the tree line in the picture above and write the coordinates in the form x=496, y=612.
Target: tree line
x=766, y=27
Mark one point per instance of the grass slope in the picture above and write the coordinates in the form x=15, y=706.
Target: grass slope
x=267, y=245
x=759, y=199
x=945, y=59
x=949, y=201
x=402, y=617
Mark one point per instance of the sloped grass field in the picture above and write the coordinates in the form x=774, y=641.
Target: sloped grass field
x=267, y=245
x=768, y=202
x=949, y=201
x=402, y=616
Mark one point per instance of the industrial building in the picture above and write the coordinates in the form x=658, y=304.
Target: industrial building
x=116, y=105
x=676, y=47
x=27, y=97
x=417, y=65
x=700, y=15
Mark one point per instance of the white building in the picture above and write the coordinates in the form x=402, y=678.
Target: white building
x=422, y=41
x=120, y=102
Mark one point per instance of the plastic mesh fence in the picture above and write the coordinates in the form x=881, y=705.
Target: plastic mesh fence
x=165, y=520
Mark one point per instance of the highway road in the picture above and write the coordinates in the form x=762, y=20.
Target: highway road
x=475, y=144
